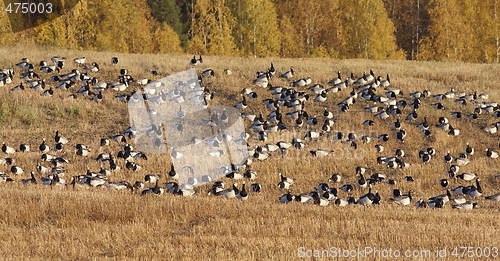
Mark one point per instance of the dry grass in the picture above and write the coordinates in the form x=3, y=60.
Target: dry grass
x=42, y=223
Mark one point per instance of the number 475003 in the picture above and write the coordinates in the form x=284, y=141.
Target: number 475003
x=29, y=8
x=474, y=252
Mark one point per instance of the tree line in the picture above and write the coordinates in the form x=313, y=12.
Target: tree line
x=442, y=30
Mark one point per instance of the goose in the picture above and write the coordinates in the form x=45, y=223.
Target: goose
x=399, y=153
x=286, y=179
x=24, y=148
x=242, y=104
x=453, y=171
x=383, y=137
x=337, y=80
x=49, y=68
x=4, y=161
x=185, y=192
x=448, y=158
x=118, y=138
x=469, y=150
x=438, y=106
x=425, y=157
x=48, y=92
x=58, y=147
x=437, y=203
x=453, y=131
x=304, y=198
x=255, y=187
x=347, y=188
x=377, y=177
x=133, y=166
x=379, y=148
x=320, y=152
x=322, y=187
x=491, y=153
x=335, y=178
x=16, y=170
x=29, y=181
x=444, y=183
x=404, y=199
x=443, y=199
x=412, y=116
x=465, y=206
x=60, y=139
x=151, y=178
x=4, y=178
x=368, y=123
x=459, y=200
x=462, y=161
x=7, y=150
x=421, y=204
x=473, y=191
x=119, y=185
x=234, y=175
x=47, y=157
x=424, y=125
x=396, y=125
x=262, y=82
x=157, y=190
x=494, y=197
x=367, y=199
x=287, y=198
x=79, y=60
x=396, y=193
x=194, y=61
x=317, y=88
x=321, y=97
x=409, y=179
x=19, y=87
x=321, y=200
x=491, y=129
x=97, y=98
x=386, y=82
x=456, y=114
x=229, y=192
x=289, y=74
x=302, y=82
x=361, y=183
x=243, y=194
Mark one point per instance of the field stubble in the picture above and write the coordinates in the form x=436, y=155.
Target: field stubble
x=40, y=222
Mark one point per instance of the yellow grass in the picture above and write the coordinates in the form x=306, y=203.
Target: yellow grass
x=37, y=222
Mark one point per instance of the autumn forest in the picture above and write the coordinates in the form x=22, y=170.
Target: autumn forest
x=438, y=30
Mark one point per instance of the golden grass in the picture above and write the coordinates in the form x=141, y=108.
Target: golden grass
x=42, y=223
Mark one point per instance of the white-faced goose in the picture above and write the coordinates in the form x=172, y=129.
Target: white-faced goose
x=16, y=170
x=289, y=74
x=243, y=194
x=465, y=206
x=367, y=199
x=7, y=149
x=444, y=198
x=255, y=187
x=29, y=181
x=60, y=139
x=473, y=191
x=404, y=199
x=494, y=197
x=119, y=185
x=491, y=153
x=361, y=183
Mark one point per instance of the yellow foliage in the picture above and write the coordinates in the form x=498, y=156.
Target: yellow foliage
x=167, y=39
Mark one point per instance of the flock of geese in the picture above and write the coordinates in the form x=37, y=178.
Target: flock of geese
x=285, y=110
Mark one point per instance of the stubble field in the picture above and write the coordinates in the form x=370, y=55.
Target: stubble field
x=43, y=222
